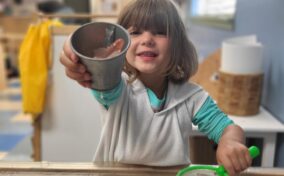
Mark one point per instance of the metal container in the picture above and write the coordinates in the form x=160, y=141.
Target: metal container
x=106, y=72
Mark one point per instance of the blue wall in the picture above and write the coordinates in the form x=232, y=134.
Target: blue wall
x=265, y=18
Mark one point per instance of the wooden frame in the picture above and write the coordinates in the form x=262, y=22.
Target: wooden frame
x=3, y=79
x=106, y=169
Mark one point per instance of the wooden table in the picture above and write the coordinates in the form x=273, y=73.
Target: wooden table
x=104, y=169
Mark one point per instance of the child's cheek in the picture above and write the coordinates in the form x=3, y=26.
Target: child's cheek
x=128, y=55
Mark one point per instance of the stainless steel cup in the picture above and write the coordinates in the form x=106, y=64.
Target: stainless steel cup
x=106, y=72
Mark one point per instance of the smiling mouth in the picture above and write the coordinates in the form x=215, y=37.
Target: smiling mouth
x=147, y=54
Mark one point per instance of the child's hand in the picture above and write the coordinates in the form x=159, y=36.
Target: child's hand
x=233, y=154
x=77, y=71
x=73, y=68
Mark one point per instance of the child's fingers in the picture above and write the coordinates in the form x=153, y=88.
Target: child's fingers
x=235, y=159
x=68, y=51
x=78, y=76
x=228, y=164
x=238, y=161
x=248, y=158
x=86, y=84
x=244, y=157
x=69, y=64
x=243, y=164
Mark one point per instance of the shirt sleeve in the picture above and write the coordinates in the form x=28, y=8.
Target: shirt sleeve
x=106, y=98
x=211, y=120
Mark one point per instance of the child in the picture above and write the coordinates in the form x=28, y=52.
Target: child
x=147, y=118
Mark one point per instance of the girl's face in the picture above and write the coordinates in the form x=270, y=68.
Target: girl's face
x=148, y=51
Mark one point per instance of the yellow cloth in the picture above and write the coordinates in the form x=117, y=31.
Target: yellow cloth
x=34, y=61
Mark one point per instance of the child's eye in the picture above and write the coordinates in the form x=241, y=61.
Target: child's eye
x=160, y=33
x=134, y=32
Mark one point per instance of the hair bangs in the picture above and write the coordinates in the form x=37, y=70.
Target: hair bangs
x=146, y=16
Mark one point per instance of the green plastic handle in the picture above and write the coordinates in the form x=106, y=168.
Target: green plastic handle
x=253, y=151
x=220, y=170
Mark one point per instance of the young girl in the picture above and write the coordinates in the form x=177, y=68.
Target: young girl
x=147, y=118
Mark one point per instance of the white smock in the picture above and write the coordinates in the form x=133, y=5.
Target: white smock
x=132, y=133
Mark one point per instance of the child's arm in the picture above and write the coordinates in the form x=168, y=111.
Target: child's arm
x=106, y=98
x=231, y=151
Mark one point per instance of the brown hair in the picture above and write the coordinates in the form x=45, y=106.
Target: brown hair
x=162, y=16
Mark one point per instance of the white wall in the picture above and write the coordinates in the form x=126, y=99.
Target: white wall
x=71, y=122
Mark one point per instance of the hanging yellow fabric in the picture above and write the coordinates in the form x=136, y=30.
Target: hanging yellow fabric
x=34, y=62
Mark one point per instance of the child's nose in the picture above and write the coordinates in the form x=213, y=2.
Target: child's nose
x=147, y=39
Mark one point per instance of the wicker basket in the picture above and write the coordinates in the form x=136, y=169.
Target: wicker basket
x=239, y=94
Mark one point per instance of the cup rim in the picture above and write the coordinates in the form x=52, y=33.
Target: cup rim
x=107, y=58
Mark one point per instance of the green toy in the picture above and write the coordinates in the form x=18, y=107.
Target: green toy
x=208, y=170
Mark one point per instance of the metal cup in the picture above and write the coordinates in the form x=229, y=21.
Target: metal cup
x=106, y=72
